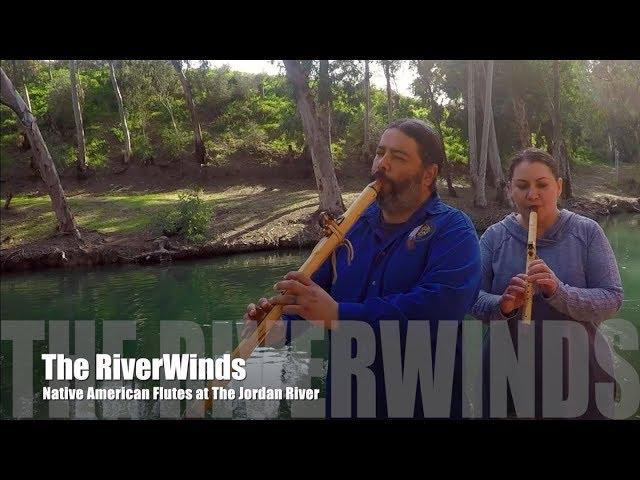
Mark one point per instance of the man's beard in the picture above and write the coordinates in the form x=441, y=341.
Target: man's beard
x=400, y=196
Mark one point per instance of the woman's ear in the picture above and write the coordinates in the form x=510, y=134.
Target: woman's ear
x=559, y=182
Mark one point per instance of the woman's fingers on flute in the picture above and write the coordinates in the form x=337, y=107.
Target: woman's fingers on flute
x=538, y=266
x=520, y=280
x=536, y=277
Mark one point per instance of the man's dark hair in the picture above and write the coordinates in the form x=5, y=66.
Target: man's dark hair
x=532, y=155
x=430, y=146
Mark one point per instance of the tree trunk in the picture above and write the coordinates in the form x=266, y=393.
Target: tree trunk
x=123, y=115
x=200, y=151
x=558, y=149
x=496, y=165
x=480, y=198
x=471, y=122
x=324, y=98
x=77, y=114
x=520, y=113
x=367, y=110
x=436, y=109
x=328, y=188
x=387, y=75
x=11, y=98
x=26, y=94
x=494, y=162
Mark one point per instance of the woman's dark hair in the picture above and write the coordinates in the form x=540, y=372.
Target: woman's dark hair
x=534, y=155
x=430, y=146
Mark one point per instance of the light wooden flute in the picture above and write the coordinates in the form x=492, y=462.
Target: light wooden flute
x=531, y=256
x=335, y=233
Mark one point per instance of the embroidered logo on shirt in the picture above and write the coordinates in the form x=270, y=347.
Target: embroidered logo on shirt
x=418, y=234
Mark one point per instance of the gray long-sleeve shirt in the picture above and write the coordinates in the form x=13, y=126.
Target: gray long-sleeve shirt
x=589, y=292
x=577, y=251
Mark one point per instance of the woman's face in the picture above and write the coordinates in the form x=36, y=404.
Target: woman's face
x=533, y=185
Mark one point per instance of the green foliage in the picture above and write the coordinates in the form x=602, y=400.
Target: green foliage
x=583, y=155
x=59, y=106
x=190, y=218
x=141, y=147
x=175, y=143
x=96, y=152
x=254, y=117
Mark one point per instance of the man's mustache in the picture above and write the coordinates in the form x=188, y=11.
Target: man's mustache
x=379, y=175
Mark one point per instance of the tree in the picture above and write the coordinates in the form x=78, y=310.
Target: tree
x=316, y=138
x=558, y=148
x=324, y=97
x=123, y=115
x=200, y=150
x=367, y=110
x=426, y=85
x=475, y=171
x=493, y=154
x=10, y=97
x=77, y=115
x=390, y=67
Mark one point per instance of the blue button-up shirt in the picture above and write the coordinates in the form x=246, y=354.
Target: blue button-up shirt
x=427, y=268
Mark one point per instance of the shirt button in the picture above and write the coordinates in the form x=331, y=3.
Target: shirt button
x=373, y=283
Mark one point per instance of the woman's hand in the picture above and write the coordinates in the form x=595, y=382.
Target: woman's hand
x=513, y=296
x=541, y=275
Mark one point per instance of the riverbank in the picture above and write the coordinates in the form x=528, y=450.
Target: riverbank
x=121, y=223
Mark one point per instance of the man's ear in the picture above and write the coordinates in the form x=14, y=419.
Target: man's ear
x=430, y=174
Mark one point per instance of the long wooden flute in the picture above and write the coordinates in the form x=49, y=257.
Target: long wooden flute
x=531, y=256
x=321, y=252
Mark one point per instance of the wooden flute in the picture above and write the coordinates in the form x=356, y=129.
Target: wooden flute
x=531, y=256
x=335, y=232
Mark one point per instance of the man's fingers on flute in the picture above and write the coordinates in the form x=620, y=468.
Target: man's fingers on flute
x=284, y=300
x=518, y=281
x=292, y=286
x=300, y=277
x=264, y=304
x=292, y=309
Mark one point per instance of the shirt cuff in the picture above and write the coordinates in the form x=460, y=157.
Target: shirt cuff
x=350, y=311
x=558, y=298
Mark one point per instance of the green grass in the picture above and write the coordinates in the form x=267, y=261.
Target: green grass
x=31, y=218
x=236, y=208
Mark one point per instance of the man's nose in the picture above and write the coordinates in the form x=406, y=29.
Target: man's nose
x=381, y=163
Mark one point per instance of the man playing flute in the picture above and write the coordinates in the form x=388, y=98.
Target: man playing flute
x=416, y=259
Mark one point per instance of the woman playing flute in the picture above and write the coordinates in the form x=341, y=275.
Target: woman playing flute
x=575, y=276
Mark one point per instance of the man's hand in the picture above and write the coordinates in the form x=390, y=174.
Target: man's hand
x=306, y=298
x=254, y=315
